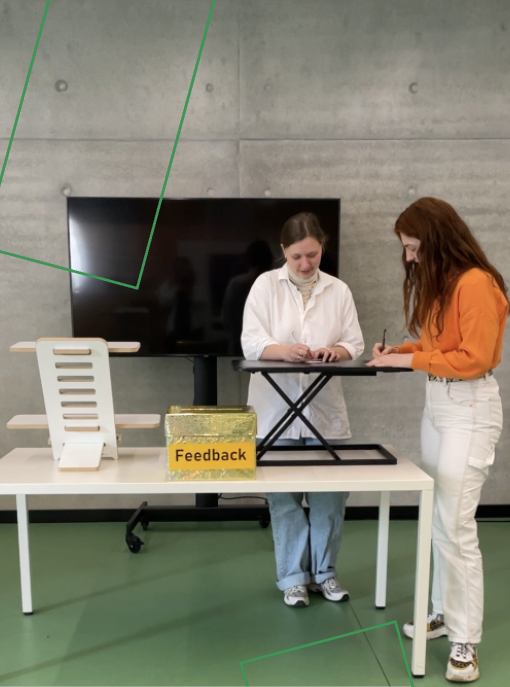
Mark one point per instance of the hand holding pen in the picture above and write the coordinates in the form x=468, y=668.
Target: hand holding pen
x=299, y=353
x=381, y=349
x=320, y=355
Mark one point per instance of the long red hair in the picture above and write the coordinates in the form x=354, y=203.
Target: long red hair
x=447, y=250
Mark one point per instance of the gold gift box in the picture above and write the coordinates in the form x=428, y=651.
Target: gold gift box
x=211, y=442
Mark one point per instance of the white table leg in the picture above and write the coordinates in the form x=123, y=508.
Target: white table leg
x=421, y=590
x=382, y=550
x=24, y=554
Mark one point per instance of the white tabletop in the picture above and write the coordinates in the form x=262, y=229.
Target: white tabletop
x=143, y=470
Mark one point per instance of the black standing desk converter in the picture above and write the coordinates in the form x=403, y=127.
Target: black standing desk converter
x=369, y=454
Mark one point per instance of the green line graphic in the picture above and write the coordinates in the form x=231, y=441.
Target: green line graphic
x=323, y=641
x=68, y=269
x=24, y=91
x=176, y=141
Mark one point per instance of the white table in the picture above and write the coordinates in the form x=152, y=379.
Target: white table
x=27, y=471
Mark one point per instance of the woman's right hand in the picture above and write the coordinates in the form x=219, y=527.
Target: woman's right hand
x=377, y=351
x=299, y=353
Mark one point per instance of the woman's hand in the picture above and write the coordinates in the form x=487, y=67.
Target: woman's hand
x=299, y=353
x=377, y=350
x=326, y=355
x=392, y=360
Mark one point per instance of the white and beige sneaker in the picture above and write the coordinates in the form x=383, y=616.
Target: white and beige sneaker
x=296, y=596
x=330, y=589
x=435, y=627
x=463, y=663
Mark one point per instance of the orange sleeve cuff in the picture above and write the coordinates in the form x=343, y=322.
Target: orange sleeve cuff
x=421, y=361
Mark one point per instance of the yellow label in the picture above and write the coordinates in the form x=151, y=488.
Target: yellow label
x=225, y=456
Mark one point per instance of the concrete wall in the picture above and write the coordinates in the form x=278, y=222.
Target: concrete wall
x=375, y=103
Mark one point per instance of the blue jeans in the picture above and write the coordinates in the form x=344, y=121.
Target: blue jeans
x=306, y=550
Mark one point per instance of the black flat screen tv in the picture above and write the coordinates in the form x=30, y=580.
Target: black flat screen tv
x=204, y=256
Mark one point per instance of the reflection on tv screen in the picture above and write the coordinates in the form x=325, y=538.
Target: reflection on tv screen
x=204, y=256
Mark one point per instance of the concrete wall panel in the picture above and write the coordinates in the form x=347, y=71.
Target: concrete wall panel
x=368, y=69
x=127, y=66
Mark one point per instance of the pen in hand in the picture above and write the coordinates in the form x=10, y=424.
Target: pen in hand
x=383, y=345
x=305, y=353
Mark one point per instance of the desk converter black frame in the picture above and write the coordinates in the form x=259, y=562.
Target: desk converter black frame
x=324, y=371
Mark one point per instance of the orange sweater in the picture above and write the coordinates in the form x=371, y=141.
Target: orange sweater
x=472, y=338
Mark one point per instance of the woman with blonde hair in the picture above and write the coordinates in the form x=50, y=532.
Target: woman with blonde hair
x=456, y=302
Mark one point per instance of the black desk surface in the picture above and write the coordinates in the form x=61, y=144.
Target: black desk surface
x=346, y=368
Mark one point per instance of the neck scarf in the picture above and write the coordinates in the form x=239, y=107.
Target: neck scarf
x=304, y=286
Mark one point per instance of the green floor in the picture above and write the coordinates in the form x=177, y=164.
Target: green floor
x=200, y=599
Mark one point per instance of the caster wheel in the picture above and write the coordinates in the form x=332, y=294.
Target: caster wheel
x=134, y=543
x=145, y=525
x=264, y=522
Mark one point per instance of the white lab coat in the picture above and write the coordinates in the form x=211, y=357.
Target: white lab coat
x=273, y=313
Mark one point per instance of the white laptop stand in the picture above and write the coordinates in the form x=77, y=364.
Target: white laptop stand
x=77, y=391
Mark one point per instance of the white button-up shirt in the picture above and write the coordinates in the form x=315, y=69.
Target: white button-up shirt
x=274, y=314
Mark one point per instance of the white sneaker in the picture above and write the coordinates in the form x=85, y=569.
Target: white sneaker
x=463, y=663
x=330, y=589
x=296, y=596
x=435, y=626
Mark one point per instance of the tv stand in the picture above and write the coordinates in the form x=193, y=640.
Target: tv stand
x=205, y=377
x=206, y=508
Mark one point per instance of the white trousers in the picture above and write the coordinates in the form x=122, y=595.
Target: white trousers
x=461, y=425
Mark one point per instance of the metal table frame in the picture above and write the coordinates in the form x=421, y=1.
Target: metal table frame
x=325, y=371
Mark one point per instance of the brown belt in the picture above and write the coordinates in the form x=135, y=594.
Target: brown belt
x=433, y=378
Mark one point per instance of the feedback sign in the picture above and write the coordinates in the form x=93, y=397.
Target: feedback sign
x=224, y=456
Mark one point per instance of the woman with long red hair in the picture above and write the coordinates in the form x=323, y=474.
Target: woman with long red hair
x=456, y=304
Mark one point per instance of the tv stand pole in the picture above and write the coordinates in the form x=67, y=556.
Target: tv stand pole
x=205, y=376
